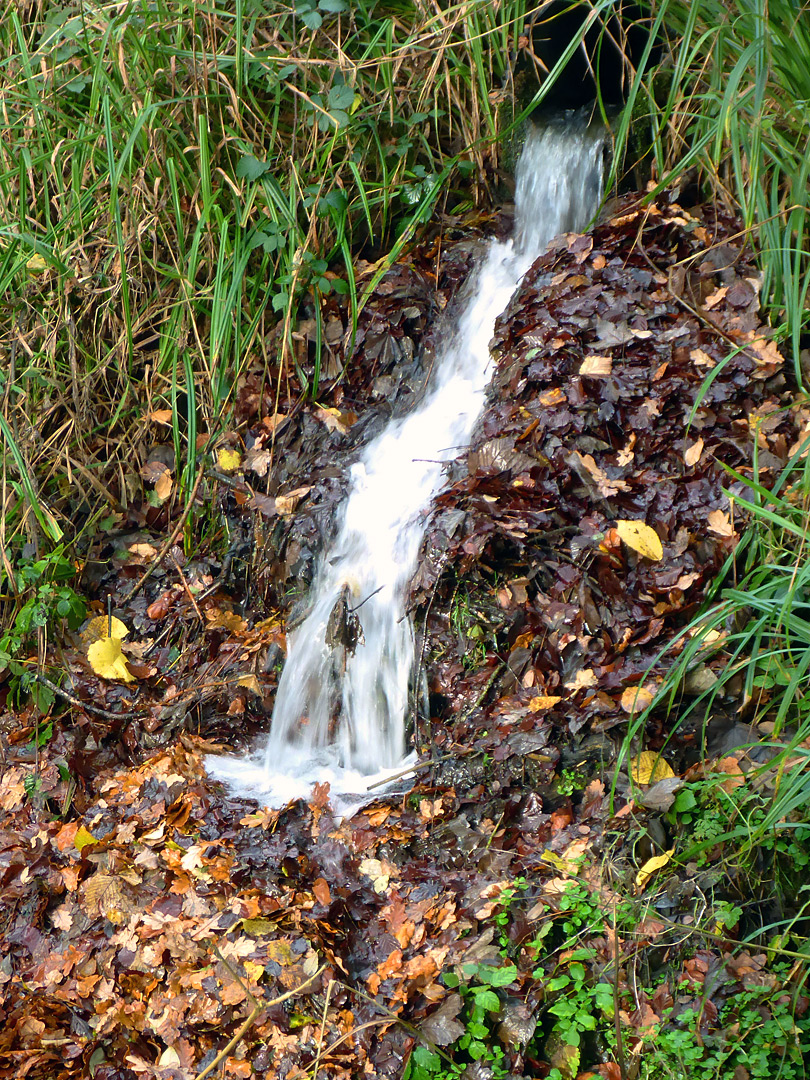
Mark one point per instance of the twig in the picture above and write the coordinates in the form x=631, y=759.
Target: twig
x=257, y=1008
x=489, y=684
x=79, y=704
x=323, y=1029
x=174, y=534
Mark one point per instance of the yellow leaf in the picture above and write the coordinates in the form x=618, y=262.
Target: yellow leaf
x=641, y=538
x=82, y=838
x=103, y=894
x=36, y=264
x=636, y=699
x=650, y=867
x=543, y=702
x=101, y=627
x=108, y=661
x=228, y=460
x=649, y=768
x=259, y=927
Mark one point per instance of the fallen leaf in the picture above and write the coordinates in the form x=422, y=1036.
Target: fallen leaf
x=102, y=627
x=720, y=523
x=108, y=661
x=160, y=416
x=657, y=862
x=583, y=679
x=228, y=460
x=636, y=699
x=596, y=366
x=641, y=538
x=692, y=455
x=286, y=504
x=373, y=868
x=335, y=420
x=713, y=299
x=542, y=702
x=36, y=265
x=649, y=767
x=701, y=358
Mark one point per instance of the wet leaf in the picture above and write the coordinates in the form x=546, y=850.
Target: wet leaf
x=542, y=702
x=641, y=538
x=649, y=767
x=108, y=661
x=636, y=699
x=287, y=503
x=657, y=862
x=102, y=627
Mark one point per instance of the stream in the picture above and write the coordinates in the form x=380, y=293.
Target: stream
x=342, y=704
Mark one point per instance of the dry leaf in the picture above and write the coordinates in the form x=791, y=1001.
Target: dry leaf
x=373, y=868
x=720, y=523
x=713, y=299
x=583, y=679
x=641, y=538
x=108, y=661
x=104, y=895
x=701, y=358
x=585, y=464
x=336, y=420
x=286, y=504
x=692, y=455
x=596, y=366
x=636, y=699
x=543, y=702
x=649, y=767
x=554, y=396
x=228, y=460
x=650, y=867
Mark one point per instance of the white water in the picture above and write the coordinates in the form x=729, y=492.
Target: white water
x=340, y=718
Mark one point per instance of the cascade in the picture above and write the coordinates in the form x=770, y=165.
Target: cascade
x=342, y=700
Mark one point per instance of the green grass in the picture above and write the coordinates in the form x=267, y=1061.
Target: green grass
x=181, y=183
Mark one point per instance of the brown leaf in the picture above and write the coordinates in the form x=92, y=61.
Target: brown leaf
x=286, y=504
x=692, y=455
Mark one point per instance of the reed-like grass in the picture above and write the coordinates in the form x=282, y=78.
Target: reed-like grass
x=180, y=182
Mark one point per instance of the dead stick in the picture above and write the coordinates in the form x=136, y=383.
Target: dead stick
x=253, y=1014
x=175, y=533
x=79, y=704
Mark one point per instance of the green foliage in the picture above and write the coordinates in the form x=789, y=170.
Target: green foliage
x=731, y=98
x=45, y=602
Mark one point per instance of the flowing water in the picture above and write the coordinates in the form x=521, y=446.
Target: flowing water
x=342, y=700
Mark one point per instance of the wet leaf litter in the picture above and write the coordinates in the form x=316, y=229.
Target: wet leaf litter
x=145, y=914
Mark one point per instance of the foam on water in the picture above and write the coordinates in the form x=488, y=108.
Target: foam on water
x=340, y=718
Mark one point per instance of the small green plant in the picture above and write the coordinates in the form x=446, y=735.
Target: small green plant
x=46, y=599
x=479, y=1042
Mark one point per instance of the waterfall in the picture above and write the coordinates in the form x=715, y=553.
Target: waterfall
x=342, y=699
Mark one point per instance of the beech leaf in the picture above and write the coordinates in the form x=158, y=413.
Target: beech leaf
x=657, y=862
x=108, y=661
x=641, y=538
x=649, y=767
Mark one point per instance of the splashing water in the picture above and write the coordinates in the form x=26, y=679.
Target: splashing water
x=341, y=706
